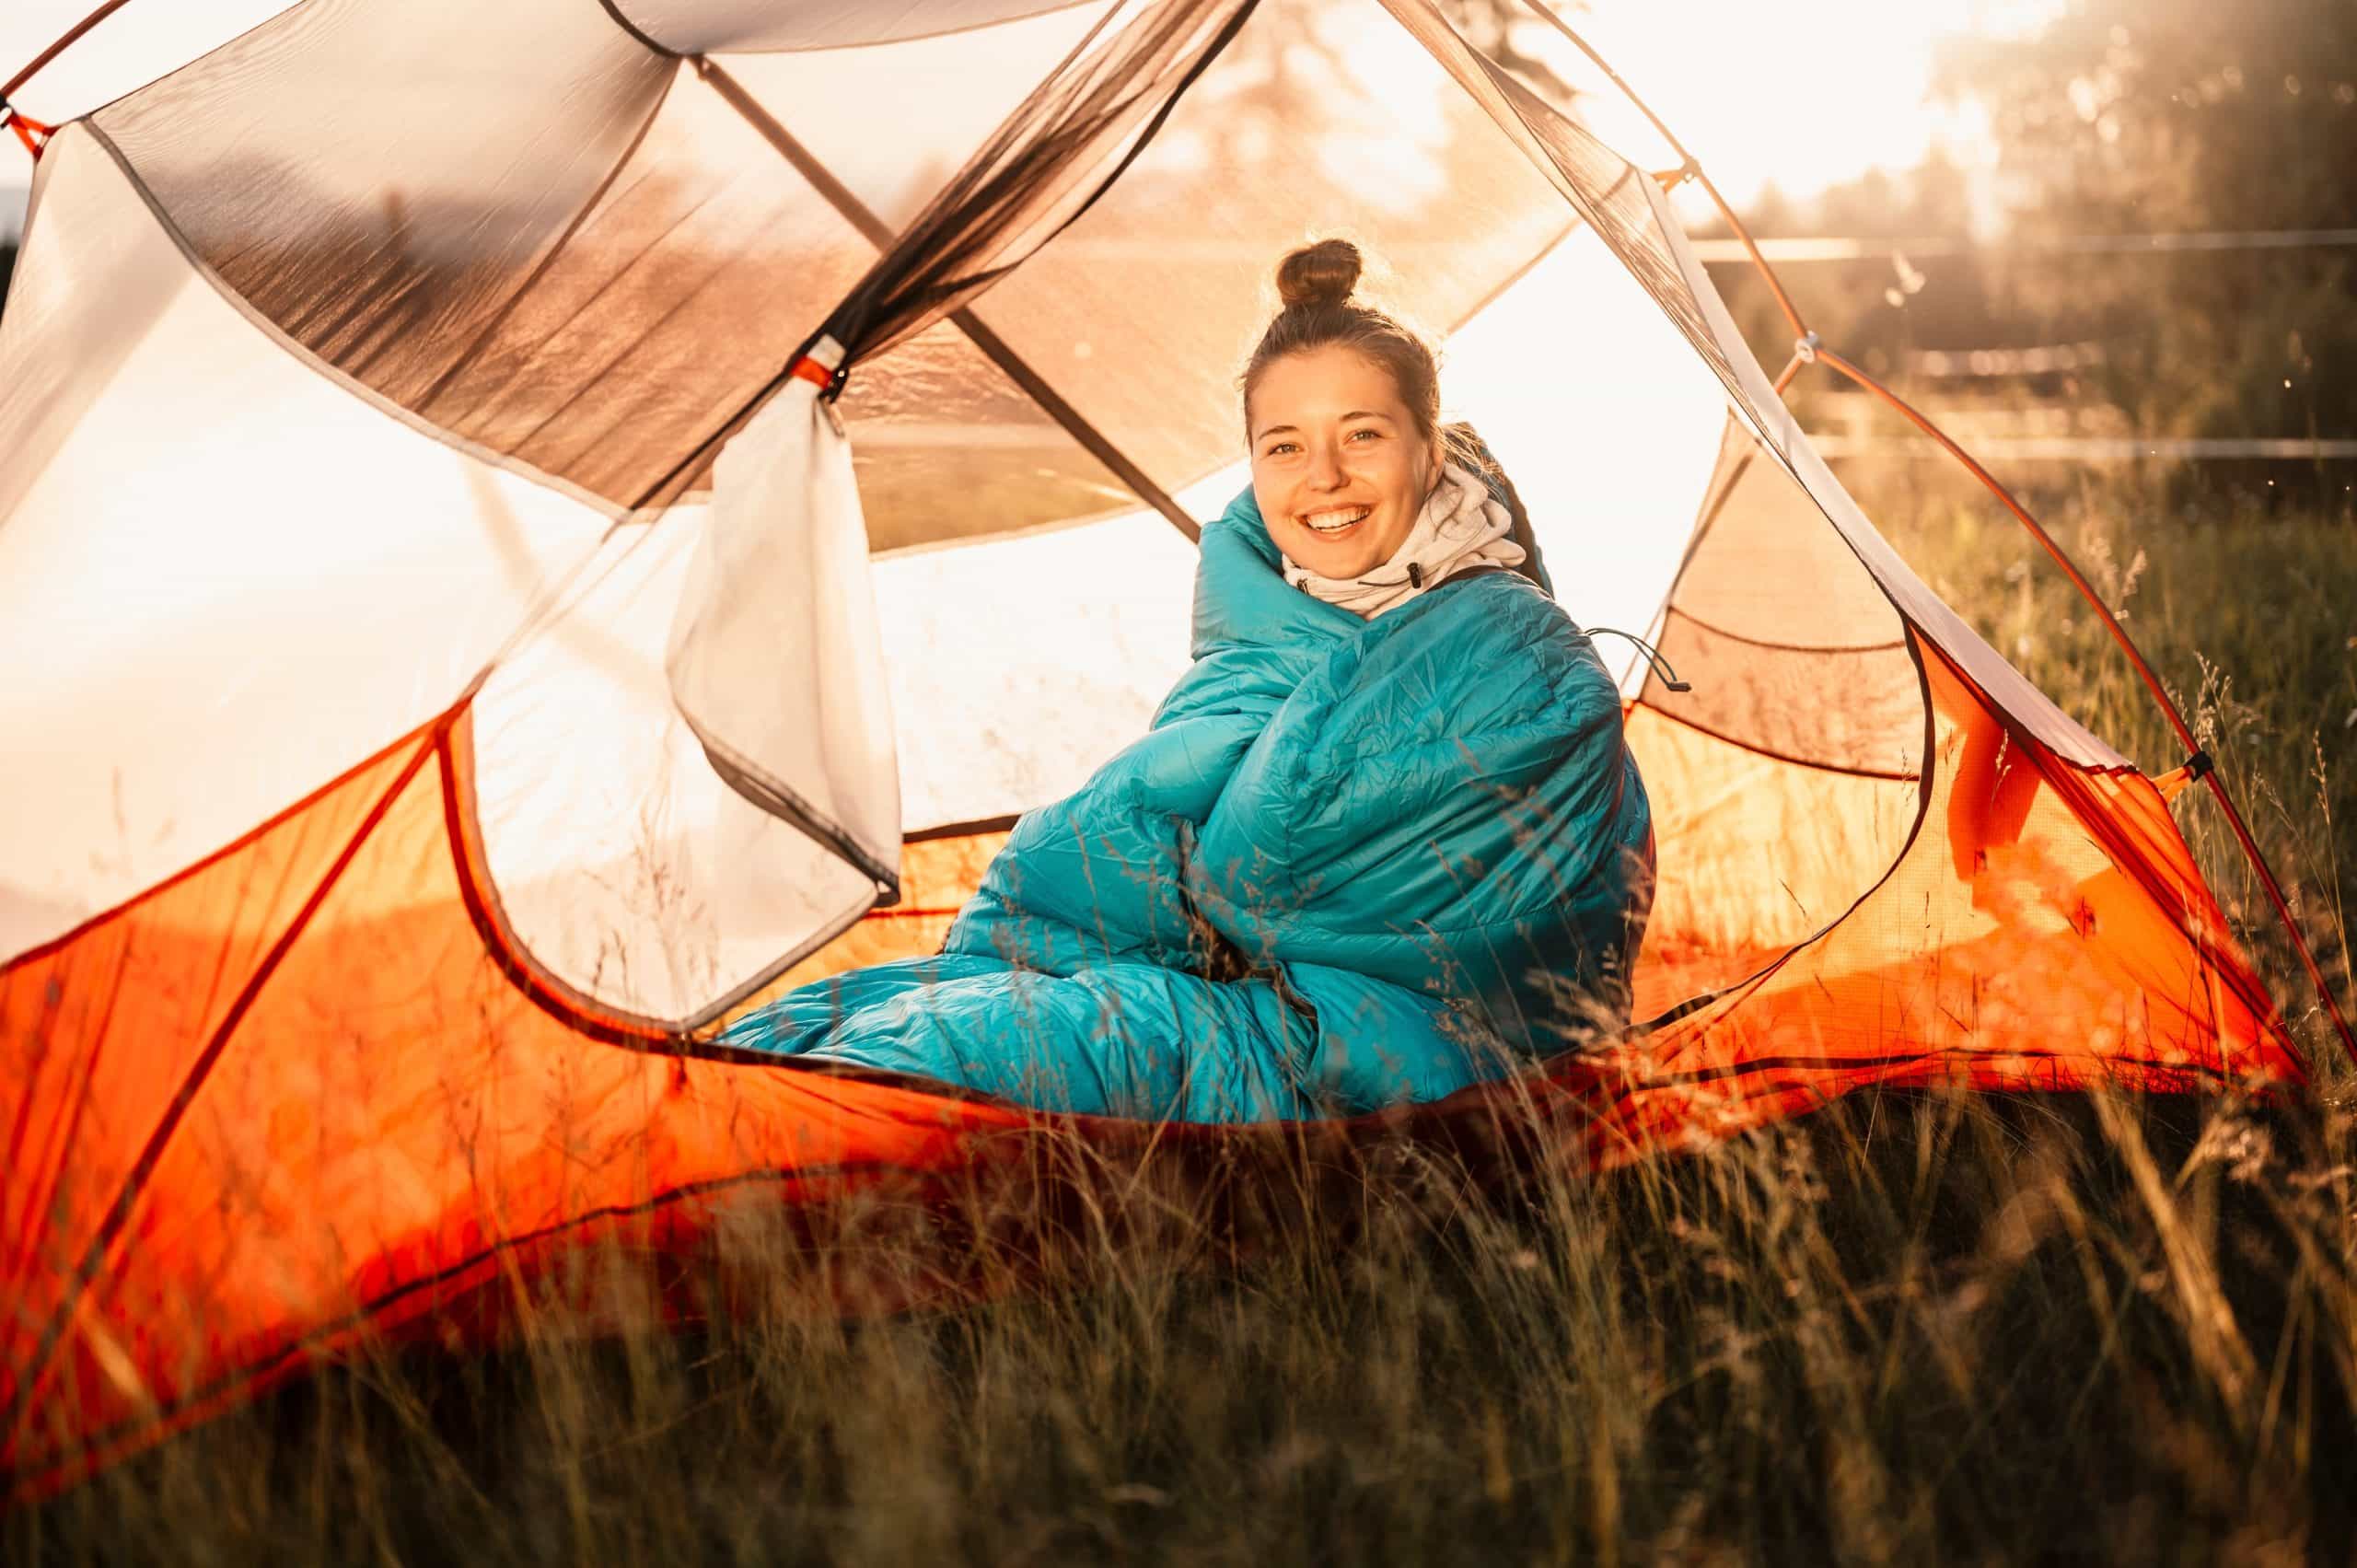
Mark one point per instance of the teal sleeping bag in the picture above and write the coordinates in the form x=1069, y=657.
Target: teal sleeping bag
x=1353, y=863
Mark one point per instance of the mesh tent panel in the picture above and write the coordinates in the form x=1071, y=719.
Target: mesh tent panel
x=835, y=102
x=162, y=601
x=949, y=447
x=1754, y=854
x=592, y=303
x=1062, y=148
x=683, y=286
x=1620, y=201
x=1854, y=710
x=1763, y=564
x=311, y=1173
x=99, y=1031
x=1791, y=645
x=296, y=163
x=620, y=864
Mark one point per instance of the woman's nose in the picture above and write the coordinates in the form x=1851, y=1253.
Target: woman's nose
x=1325, y=469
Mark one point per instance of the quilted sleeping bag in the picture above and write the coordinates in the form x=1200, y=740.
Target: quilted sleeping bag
x=1353, y=863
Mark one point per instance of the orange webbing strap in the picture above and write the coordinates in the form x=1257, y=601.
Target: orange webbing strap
x=2198, y=764
x=34, y=133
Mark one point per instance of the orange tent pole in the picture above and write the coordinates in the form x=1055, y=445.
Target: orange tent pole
x=1686, y=166
x=1811, y=349
x=2145, y=672
x=72, y=36
x=33, y=132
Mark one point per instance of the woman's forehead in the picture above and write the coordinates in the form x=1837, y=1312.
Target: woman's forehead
x=1321, y=386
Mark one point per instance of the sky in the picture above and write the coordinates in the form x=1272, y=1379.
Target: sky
x=1806, y=93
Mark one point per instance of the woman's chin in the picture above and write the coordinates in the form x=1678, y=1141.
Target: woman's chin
x=1347, y=558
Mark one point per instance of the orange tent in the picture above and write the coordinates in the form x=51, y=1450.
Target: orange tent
x=637, y=521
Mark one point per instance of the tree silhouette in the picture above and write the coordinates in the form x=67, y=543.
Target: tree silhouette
x=2126, y=117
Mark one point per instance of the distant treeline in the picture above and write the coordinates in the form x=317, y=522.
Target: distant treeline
x=2118, y=117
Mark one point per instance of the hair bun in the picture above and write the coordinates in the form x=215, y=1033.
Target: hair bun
x=1323, y=274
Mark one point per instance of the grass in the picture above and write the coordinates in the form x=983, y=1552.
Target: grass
x=1916, y=1328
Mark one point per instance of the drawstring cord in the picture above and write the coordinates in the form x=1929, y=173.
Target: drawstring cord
x=1653, y=655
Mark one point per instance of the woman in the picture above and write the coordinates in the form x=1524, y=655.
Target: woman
x=1383, y=840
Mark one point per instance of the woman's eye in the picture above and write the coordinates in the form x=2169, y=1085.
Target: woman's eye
x=1283, y=448
x=1370, y=434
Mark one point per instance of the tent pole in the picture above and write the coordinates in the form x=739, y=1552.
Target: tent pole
x=994, y=347
x=2119, y=634
x=1686, y=164
x=72, y=36
x=2145, y=672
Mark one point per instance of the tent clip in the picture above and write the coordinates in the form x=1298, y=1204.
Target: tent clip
x=1805, y=348
x=34, y=133
x=1652, y=655
x=29, y=131
x=824, y=365
x=2200, y=763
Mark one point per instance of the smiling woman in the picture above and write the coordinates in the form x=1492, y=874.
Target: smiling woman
x=1384, y=839
x=1350, y=468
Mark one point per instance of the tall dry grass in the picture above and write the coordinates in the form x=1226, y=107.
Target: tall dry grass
x=1916, y=1328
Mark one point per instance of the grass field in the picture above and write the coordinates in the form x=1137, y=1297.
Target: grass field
x=1914, y=1328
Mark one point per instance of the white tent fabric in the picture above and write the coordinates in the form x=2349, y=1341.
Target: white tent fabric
x=205, y=635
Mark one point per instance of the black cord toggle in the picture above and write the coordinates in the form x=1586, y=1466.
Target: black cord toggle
x=1660, y=666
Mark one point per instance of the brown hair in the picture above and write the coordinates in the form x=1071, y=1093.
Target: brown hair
x=1315, y=285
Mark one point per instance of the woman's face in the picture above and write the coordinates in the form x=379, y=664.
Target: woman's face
x=1337, y=466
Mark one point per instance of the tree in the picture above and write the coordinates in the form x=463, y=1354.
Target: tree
x=2127, y=117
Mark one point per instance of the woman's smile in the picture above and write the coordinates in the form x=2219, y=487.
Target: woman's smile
x=1335, y=521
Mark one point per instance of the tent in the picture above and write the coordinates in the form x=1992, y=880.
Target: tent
x=526, y=528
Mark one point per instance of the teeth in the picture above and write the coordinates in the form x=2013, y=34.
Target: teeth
x=1334, y=522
